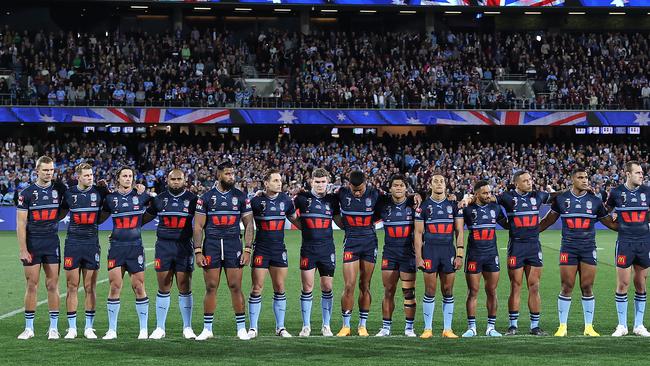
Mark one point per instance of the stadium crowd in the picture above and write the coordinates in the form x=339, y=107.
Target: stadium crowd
x=462, y=162
x=325, y=69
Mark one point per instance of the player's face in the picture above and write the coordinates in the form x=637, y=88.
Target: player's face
x=358, y=191
x=580, y=181
x=125, y=180
x=484, y=194
x=525, y=183
x=227, y=178
x=398, y=189
x=319, y=185
x=274, y=184
x=438, y=185
x=176, y=180
x=45, y=172
x=86, y=178
x=635, y=176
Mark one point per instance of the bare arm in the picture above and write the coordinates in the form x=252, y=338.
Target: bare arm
x=609, y=222
x=338, y=221
x=459, y=228
x=197, y=237
x=249, y=232
x=418, y=228
x=103, y=217
x=548, y=220
x=147, y=217
x=295, y=221
x=21, y=232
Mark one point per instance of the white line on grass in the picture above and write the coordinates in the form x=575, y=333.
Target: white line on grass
x=42, y=302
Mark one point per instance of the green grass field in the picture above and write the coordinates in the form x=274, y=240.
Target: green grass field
x=226, y=349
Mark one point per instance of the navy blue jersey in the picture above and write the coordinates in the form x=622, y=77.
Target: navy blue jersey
x=42, y=205
x=482, y=222
x=85, y=207
x=270, y=215
x=126, y=211
x=316, y=215
x=631, y=206
x=398, y=221
x=224, y=211
x=523, y=213
x=357, y=213
x=579, y=216
x=438, y=218
x=175, y=215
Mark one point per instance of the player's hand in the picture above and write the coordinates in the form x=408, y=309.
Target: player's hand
x=458, y=263
x=614, y=216
x=549, y=188
x=102, y=183
x=419, y=263
x=259, y=193
x=417, y=200
x=25, y=256
x=200, y=260
x=463, y=203
x=140, y=188
x=451, y=197
x=245, y=259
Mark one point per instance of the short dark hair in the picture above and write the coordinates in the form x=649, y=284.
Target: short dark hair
x=357, y=178
x=226, y=164
x=518, y=174
x=480, y=184
x=578, y=169
x=395, y=177
x=630, y=164
x=269, y=173
x=320, y=173
x=122, y=168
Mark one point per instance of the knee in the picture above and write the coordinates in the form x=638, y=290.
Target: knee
x=472, y=292
x=586, y=289
x=533, y=287
x=72, y=288
x=234, y=286
x=257, y=289
x=409, y=297
x=365, y=288
x=89, y=289
x=32, y=286
x=51, y=285
x=389, y=291
x=210, y=287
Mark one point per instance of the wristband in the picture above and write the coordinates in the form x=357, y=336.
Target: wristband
x=198, y=250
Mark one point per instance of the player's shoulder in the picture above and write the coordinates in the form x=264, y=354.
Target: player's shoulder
x=30, y=188
x=592, y=197
x=207, y=194
x=190, y=195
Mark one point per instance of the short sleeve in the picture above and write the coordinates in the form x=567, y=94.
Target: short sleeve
x=23, y=201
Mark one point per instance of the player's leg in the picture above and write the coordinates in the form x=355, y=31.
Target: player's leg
x=516, y=276
x=141, y=303
x=473, y=282
x=327, y=299
x=278, y=278
x=115, y=281
x=623, y=276
x=429, y=302
x=389, y=278
x=255, y=299
x=211, y=278
x=640, y=276
x=447, y=284
x=165, y=279
x=306, y=299
x=533, y=276
x=567, y=278
x=491, y=283
x=587, y=277
x=72, y=277
x=185, y=301
x=350, y=272
x=234, y=278
x=366, y=269
x=408, y=291
x=32, y=276
x=90, y=289
x=51, y=271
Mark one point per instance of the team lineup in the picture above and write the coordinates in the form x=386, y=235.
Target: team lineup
x=426, y=234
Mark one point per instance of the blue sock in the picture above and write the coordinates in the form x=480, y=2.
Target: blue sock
x=90, y=319
x=142, y=307
x=72, y=319
x=447, y=311
x=254, y=309
x=428, y=306
x=363, y=316
x=113, y=307
x=621, y=308
x=186, y=303
x=409, y=324
x=279, y=308
x=563, y=306
x=471, y=322
x=639, y=308
x=347, y=314
x=514, y=317
x=162, y=307
x=54, y=319
x=240, y=320
x=306, y=299
x=326, y=301
x=386, y=324
x=588, y=305
x=29, y=319
x=492, y=321
x=534, y=320
x=207, y=321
